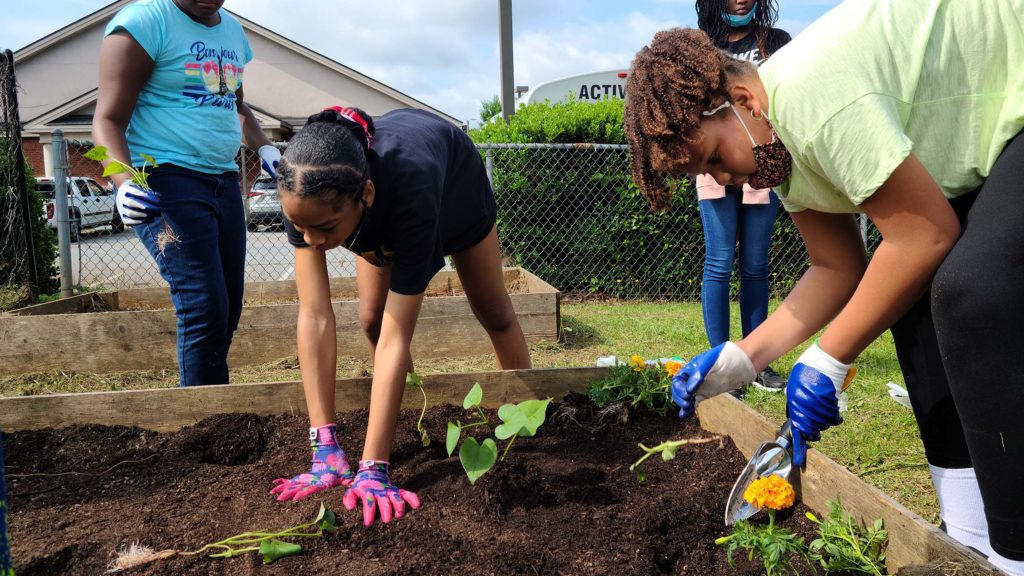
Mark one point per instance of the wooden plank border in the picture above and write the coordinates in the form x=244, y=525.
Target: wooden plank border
x=912, y=540
x=146, y=339
x=169, y=409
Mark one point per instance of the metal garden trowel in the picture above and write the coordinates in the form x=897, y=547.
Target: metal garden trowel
x=770, y=458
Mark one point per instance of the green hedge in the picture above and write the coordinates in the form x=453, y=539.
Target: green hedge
x=575, y=218
x=13, y=276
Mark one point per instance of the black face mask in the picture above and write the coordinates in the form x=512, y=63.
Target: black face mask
x=772, y=162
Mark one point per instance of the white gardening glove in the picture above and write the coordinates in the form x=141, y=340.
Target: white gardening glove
x=270, y=157
x=137, y=205
x=723, y=368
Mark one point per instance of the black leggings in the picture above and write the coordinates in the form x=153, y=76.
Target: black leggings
x=961, y=349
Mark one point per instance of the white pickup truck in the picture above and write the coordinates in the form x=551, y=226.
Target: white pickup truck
x=89, y=204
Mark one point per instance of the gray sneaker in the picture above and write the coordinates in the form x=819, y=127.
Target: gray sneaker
x=769, y=381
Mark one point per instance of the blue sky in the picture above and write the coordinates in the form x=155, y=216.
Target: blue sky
x=442, y=52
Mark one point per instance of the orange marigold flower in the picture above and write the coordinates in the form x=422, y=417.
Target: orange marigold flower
x=636, y=362
x=770, y=492
x=672, y=366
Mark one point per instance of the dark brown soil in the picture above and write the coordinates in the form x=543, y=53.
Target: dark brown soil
x=563, y=502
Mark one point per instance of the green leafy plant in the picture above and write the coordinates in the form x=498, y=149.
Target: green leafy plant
x=776, y=547
x=413, y=379
x=844, y=545
x=634, y=383
x=137, y=175
x=522, y=419
x=115, y=166
x=269, y=544
x=667, y=449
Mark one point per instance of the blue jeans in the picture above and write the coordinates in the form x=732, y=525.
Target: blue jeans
x=726, y=221
x=204, y=266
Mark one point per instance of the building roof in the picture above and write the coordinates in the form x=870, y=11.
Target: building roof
x=40, y=117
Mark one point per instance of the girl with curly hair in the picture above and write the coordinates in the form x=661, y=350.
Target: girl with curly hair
x=908, y=112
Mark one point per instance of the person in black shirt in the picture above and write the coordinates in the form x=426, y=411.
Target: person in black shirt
x=743, y=29
x=401, y=193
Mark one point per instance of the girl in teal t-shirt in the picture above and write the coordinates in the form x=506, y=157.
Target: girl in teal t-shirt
x=171, y=89
x=908, y=112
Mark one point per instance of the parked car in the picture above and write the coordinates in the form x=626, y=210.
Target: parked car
x=89, y=204
x=264, y=205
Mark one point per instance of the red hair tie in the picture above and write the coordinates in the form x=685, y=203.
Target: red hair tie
x=355, y=117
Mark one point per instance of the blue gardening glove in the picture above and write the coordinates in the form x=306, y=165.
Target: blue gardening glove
x=330, y=468
x=374, y=488
x=137, y=205
x=812, y=397
x=725, y=367
x=270, y=157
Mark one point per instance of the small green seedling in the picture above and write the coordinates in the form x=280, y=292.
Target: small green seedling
x=667, y=449
x=136, y=175
x=517, y=420
x=267, y=543
x=413, y=379
x=843, y=545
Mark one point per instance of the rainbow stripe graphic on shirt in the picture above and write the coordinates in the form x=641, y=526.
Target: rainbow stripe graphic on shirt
x=214, y=77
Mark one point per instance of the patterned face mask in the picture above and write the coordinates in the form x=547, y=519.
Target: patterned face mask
x=772, y=162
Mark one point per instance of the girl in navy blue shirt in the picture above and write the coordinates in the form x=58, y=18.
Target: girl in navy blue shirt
x=401, y=193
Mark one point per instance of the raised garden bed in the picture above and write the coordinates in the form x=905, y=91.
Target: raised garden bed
x=563, y=503
x=136, y=329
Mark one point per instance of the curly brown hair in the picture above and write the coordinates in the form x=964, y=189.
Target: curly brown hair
x=670, y=83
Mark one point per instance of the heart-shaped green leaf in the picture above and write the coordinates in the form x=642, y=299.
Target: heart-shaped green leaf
x=325, y=519
x=452, y=437
x=149, y=159
x=413, y=379
x=276, y=549
x=523, y=418
x=97, y=153
x=476, y=458
x=473, y=398
x=114, y=168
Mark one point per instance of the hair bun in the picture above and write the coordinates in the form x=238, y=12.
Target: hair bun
x=349, y=118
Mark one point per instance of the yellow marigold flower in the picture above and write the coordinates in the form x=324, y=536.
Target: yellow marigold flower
x=672, y=366
x=772, y=492
x=636, y=362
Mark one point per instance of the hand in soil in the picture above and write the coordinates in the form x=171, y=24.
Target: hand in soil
x=374, y=488
x=723, y=368
x=330, y=468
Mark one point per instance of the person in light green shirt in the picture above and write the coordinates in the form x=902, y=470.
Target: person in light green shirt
x=908, y=111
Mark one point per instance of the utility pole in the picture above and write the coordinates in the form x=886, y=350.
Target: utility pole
x=508, y=102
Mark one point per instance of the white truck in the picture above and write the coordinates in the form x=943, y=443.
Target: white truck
x=89, y=204
x=589, y=87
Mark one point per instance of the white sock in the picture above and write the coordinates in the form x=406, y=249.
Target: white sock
x=961, y=508
x=1011, y=567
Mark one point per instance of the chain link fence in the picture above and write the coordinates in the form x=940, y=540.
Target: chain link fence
x=568, y=213
x=571, y=214
x=26, y=243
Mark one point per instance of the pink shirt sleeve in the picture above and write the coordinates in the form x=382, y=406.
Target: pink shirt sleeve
x=709, y=189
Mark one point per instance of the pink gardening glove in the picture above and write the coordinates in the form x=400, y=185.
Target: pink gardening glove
x=330, y=468
x=373, y=486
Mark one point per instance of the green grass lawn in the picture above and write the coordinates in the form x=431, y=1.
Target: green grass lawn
x=878, y=442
